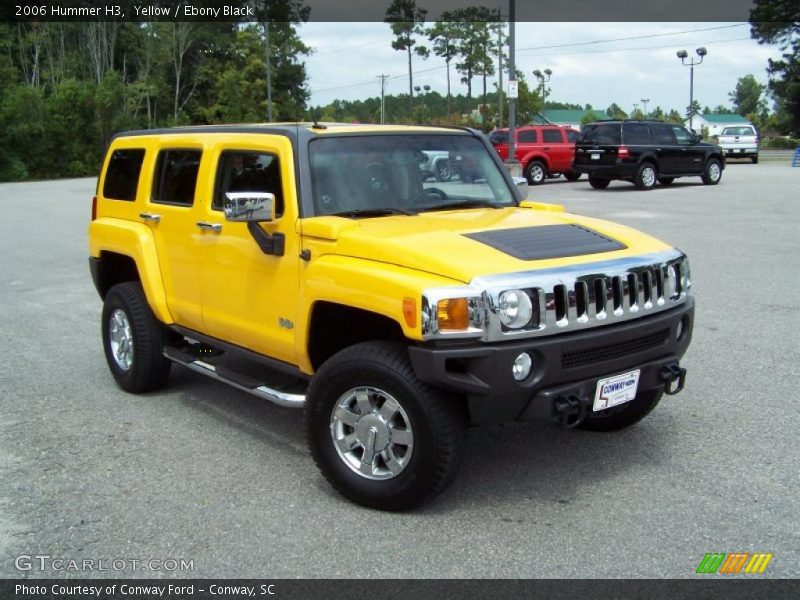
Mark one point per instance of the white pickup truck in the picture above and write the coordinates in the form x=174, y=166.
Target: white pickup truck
x=740, y=141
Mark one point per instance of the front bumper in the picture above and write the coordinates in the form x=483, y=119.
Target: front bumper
x=563, y=364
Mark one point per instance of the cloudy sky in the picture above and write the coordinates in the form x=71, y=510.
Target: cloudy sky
x=591, y=62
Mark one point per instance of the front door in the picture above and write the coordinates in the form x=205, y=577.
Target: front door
x=171, y=211
x=249, y=297
x=691, y=154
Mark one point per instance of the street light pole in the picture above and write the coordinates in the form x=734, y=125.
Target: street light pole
x=511, y=162
x=683, y=55
x=645, y=101
x=543, y=78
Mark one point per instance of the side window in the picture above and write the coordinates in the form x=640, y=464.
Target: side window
x=122, y=174
x=636, y=133
x=243, y=171
x=573, y=136
x=683, y=136
x=662, y=134
x=498, y=137
x=552, y=136
x=528, y=136
x=603, y=134
x=176, y=177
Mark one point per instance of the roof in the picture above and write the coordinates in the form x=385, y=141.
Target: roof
x=717, y=118
x=571, y=116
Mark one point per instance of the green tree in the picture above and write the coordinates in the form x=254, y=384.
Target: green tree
x=778, y=22
x=616, y=112
x=746, y=98
x=443, y=36
x=407, y=20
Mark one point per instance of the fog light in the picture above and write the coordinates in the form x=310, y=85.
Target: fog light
x=522, y=366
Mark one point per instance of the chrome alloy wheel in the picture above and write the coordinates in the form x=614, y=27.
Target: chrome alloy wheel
x=537, y=174
x=121, y=339
x=649, y=176
x=372, y=433
x=714, y=171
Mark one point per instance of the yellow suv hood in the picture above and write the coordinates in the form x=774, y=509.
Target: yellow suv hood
x=436, y=242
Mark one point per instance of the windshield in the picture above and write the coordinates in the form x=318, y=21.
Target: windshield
x=375, y=175
x=737, y=131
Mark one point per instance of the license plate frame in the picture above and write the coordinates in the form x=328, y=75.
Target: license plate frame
x=595, y=156
x=615, y=390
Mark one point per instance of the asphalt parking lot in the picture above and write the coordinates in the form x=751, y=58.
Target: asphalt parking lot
x=205, y=473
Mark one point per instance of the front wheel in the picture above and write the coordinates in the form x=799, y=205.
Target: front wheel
x=133, y=340
x=713, y=172
x=535, y=172
x=646, y=176
x=625, y=415
x=380, y=436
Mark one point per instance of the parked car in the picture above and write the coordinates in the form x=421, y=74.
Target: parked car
x=740, y=141
x=542, y=150
x=645, y=152
x=436, y=164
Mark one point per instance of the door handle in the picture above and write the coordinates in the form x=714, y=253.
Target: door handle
x=206, y=226
x=149, y=217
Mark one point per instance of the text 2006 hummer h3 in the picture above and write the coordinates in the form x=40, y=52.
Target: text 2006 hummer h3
x=321, y=267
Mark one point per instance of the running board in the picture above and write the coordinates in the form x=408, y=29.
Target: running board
x=241, y=382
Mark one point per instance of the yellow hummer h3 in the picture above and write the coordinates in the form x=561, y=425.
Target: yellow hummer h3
x=392, y=281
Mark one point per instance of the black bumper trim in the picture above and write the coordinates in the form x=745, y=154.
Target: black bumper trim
x=482, y=372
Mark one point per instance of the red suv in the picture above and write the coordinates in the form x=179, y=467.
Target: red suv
x=543, y=150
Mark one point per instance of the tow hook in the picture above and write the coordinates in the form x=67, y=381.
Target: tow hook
x=674, y=377
x=570, y=410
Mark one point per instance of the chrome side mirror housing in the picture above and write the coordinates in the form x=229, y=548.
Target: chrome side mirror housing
x=522, y=186
x=249, y=207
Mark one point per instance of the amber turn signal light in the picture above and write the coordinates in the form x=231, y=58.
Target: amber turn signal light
x=453, y=314
x=410, y=312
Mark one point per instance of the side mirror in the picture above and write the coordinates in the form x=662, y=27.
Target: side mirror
x=522, y=186
x=249, y=207
x=696, y=138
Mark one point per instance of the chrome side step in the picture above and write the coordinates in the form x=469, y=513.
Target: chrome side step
x=241, y=382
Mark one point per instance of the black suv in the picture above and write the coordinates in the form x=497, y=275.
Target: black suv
x=644, y=152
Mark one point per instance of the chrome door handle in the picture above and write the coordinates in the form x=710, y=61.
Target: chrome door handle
x=206, y=226
x=149, y=217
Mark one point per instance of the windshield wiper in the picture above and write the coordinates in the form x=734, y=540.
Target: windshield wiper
x=464, y=204
x=372, y=212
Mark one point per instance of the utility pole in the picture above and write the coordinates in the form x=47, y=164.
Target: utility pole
x=269, y=67
x=511, y=162
x=499, y=68
x=383, y=79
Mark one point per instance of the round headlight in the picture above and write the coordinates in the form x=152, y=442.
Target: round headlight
x=522, y=366
x=515, y=309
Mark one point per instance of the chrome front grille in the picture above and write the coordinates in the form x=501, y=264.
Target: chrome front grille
x=590, y=295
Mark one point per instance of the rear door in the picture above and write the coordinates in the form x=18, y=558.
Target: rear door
x=557, y=148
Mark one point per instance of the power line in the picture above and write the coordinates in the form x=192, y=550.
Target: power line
x=629, y=38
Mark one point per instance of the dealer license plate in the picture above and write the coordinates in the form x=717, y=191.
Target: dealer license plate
x=616, y=390
x=595, y=156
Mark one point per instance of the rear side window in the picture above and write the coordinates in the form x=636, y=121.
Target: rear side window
x=176, y=176
x=602, y=134
x=636, y=133
x=243, y=171
x=662, y=134
x=122, y=174
x=552, y=136
x=528, y=136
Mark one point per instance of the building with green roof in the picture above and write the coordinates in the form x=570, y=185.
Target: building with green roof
x=567, y=118
x=715, y=123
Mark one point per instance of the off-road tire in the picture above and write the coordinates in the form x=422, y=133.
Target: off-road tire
x=438, y=422
x=148, y=369
x=624, y=415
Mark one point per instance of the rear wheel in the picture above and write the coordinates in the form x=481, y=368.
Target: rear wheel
x=713, y=172
x=754, y=159
x=572, y=176
x=380, y=436
x=535, y=172
x=666, y=180
x=625, y=415
x=133, y=340
x=646, y=176
x=598, y=183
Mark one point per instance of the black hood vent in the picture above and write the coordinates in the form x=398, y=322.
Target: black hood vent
x=547, y=241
